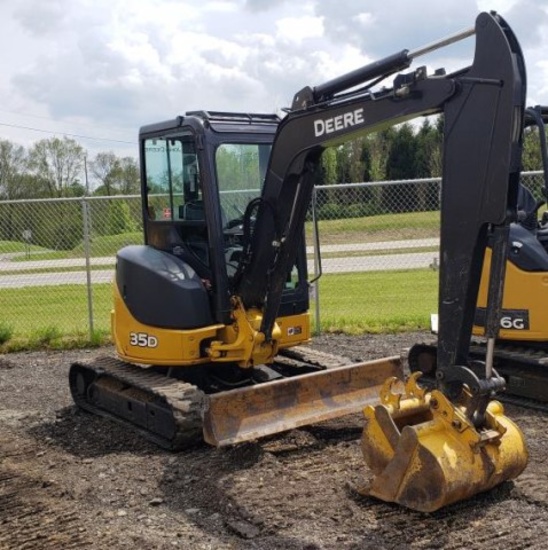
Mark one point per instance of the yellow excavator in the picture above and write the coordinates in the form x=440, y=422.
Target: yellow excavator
x=211, y=316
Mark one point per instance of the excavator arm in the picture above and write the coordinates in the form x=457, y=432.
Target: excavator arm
x=483, y=107
x=426, y=449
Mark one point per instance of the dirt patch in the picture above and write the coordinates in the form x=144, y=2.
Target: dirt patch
x=71, y=480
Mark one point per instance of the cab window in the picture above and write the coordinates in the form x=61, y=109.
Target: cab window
x=173, y=180
x=241, y=169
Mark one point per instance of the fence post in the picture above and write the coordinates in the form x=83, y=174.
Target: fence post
x=317, y=267
x=87, y=253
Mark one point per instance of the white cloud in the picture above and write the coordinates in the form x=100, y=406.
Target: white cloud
x=42, y=18
x=503, y=6
x=365, y=19
x=298, y=29
x=113, y=65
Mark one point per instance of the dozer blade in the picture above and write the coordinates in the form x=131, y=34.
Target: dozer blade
x=426, y=454
x=252, y=412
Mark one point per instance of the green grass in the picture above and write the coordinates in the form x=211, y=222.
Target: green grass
x=46, y=255
x=377, y=302
x=61, y=270
x=53, y=316
x=6, y=332
x=354, y=303
x=409, y=225
x=362, y=253
x=8, y=247
x=108, y=245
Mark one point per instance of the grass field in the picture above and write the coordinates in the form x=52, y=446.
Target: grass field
x=57, y=316
x=53, y=316
x=100, y=246
x=376, y=302
x=386, y=227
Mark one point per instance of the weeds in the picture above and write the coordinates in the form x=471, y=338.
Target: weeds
x=6, y=332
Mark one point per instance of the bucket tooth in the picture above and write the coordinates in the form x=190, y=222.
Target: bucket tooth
x=425, y=453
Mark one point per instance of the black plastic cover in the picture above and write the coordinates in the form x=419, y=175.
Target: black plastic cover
x=161, y=290
x=525, y=250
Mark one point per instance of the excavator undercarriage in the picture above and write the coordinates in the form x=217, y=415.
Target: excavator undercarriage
x=303, y=386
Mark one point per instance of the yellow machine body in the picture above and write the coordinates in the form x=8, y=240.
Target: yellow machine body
x=253, y=411
x=425, y=453
x=239, y=342
x=524, y=315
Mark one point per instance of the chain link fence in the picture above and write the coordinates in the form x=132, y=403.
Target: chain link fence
x=57, y=256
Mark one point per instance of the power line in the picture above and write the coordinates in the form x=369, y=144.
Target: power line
x=43, y=117
x=65, y=133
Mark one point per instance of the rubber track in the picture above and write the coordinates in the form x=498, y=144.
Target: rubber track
x=184, y=400
x=519, y=354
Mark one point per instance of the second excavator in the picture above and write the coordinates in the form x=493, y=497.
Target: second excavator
x=211, y=312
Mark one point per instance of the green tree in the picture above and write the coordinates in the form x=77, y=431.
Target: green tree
x=429, y=162
x=379, y=146
x=58, y=162
x=16, y=183
x=115, y=175
x=329, y=167
x=401, y=165
x=429, y=148
x=103, y=170
x=120, y=219
x=12, y=167
x=531, y=158
x=351, y=161
x=129, y=179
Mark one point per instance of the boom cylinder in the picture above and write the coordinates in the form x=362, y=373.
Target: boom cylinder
x=388, y=65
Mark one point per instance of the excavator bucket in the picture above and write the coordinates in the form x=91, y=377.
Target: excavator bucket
x=425, y=453
x=252, y=412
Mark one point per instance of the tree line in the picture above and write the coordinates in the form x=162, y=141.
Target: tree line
x=59, y=167
x=403, y=152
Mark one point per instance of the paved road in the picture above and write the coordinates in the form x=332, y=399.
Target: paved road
x=380, y=262
x=329, y=265
x=54, y=279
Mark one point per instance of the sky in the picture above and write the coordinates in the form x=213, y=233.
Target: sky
x=97, y=70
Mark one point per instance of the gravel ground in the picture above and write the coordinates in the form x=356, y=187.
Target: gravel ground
x=71, y=480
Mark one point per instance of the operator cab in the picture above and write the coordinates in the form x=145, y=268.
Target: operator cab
x=201, y=176
x=529, y=235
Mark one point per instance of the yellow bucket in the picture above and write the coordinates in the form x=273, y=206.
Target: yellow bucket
x=426, y=454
